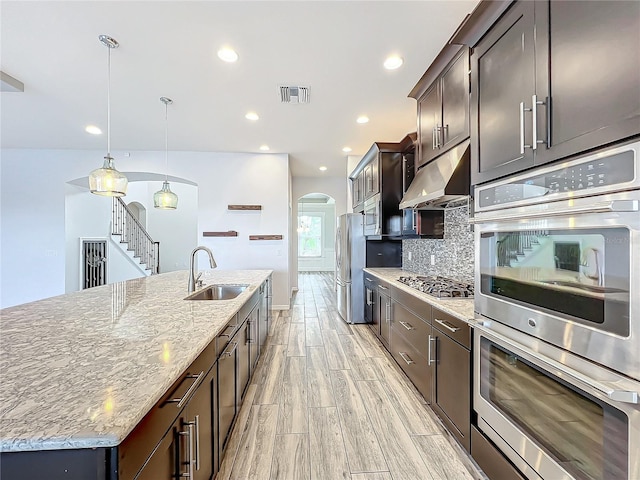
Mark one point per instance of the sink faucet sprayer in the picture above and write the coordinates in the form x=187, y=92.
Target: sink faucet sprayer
x=193, y=279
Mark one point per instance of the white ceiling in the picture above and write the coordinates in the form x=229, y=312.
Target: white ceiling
x=169, y=49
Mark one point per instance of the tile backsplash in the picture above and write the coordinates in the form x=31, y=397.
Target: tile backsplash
x=454, y=254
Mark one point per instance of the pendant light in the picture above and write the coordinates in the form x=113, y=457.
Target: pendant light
x=164, y=198
x=107, y=180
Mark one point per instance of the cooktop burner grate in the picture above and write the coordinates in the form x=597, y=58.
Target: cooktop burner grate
x=440, y=287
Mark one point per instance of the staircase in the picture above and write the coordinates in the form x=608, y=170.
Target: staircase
x=134, y=237
x=514, y=247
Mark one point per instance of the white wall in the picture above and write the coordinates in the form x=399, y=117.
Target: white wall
x=332, y=186
x=32, y=212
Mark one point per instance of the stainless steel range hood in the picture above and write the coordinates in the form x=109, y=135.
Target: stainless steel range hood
x=441, y=181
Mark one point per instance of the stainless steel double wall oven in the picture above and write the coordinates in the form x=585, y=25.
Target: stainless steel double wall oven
x=557, y=359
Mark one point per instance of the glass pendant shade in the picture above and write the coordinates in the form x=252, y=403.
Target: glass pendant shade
x=108, y=181
x=164, y=198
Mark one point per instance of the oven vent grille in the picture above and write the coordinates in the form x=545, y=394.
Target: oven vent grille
x=294, y=94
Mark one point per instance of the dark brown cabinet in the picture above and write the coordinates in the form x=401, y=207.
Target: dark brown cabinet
x=384, y=314
x=166, y=460
x=357, y=192
x=553, y=79
x=451, y=339
x=443, y=110
x=410, y=348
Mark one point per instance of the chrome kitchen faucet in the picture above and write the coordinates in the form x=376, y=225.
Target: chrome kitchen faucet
x=193, y=279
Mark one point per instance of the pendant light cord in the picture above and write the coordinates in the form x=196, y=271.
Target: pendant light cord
x=109, y=102
x=166, y=141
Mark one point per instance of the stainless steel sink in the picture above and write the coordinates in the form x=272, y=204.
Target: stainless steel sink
x=218, y=292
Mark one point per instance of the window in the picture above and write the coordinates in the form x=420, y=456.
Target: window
x=310, y=227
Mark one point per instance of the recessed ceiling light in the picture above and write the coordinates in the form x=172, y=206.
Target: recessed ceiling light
x=392, y=62
x=228, y=55
x=363, y=119
x=323, y=169
x=93, y=130
x=346, y=149
x=264, y=148
x=253, y=116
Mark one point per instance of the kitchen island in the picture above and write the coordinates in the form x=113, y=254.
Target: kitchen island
x=81, y=371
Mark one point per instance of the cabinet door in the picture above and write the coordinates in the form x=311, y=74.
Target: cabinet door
x=226, y=392
x=502, y=78
x=200, y=415
x=243, y=361
x=166, y=462
x=452, y=392
x=375, y=312
x=455, y=102
x=356, y=196
x=588, y=64
x=263, y=315
x=384, y=305
x=254, y=341
x=429, y=115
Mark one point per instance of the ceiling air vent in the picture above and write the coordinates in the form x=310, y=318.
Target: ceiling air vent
x=294, y=94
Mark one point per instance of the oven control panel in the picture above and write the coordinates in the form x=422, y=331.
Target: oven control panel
x=573, y=178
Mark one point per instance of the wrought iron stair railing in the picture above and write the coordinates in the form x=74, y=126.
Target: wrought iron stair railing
x=131, y=232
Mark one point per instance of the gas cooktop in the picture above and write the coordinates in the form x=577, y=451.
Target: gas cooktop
x=440, y=287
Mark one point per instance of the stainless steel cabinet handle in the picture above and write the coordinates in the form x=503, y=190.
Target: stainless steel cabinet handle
x=197, y=425
x=601, y=207
x=369, y=297
x=522, y=144
x=382, y=287
x=229, y=334
x=448, y=325
x=406, y=325
x=248, y=339
x=189, y=434
x=414, y=219
x=182, y=400
x=429, y=360
x=388, y=311
x=228, y=352
x=368, y=279
x=433, y=138
x=534, y=110
x=406, y=358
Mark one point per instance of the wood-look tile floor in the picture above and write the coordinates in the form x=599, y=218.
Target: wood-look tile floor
x=327, y=402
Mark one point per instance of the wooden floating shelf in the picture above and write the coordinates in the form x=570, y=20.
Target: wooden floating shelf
x=265, y=237
x=244, y=207
x=230, y=233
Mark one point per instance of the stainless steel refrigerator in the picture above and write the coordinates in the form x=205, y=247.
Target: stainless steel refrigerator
x=350, y=260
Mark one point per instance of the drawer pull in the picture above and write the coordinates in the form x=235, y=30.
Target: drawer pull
x=448, y=325
x=406, y=325
x=382, y=287
x=230, y=334
x=181, y=401
x=429, y=360
x=406, y=358
x=228, y=352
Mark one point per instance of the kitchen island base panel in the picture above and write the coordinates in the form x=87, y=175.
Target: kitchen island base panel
x=60, y=464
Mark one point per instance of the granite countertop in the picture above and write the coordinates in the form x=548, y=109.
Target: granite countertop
x=460, y=308
x=81, y=370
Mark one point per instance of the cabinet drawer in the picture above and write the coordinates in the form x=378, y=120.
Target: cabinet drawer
x=225, y=335
x=413, y=364
x=457, y=329
x=414, y=330
x=490, y=459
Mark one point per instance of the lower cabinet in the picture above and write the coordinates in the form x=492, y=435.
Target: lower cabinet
x=433, y=349
x=189, y=448
x=452, y=375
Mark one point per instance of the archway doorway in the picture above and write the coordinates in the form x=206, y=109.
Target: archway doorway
x=139, y=212
x=316, y=232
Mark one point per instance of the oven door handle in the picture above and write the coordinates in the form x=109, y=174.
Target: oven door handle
x=602, y=207
x=561, y=370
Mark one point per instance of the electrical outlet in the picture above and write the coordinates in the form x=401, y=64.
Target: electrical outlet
x=433, y=259
x=409, y=256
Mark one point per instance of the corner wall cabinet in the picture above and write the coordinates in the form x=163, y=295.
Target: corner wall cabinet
x=553, y=79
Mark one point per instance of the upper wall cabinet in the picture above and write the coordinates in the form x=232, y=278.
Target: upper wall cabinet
x=553, y=79
x=443, y=105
